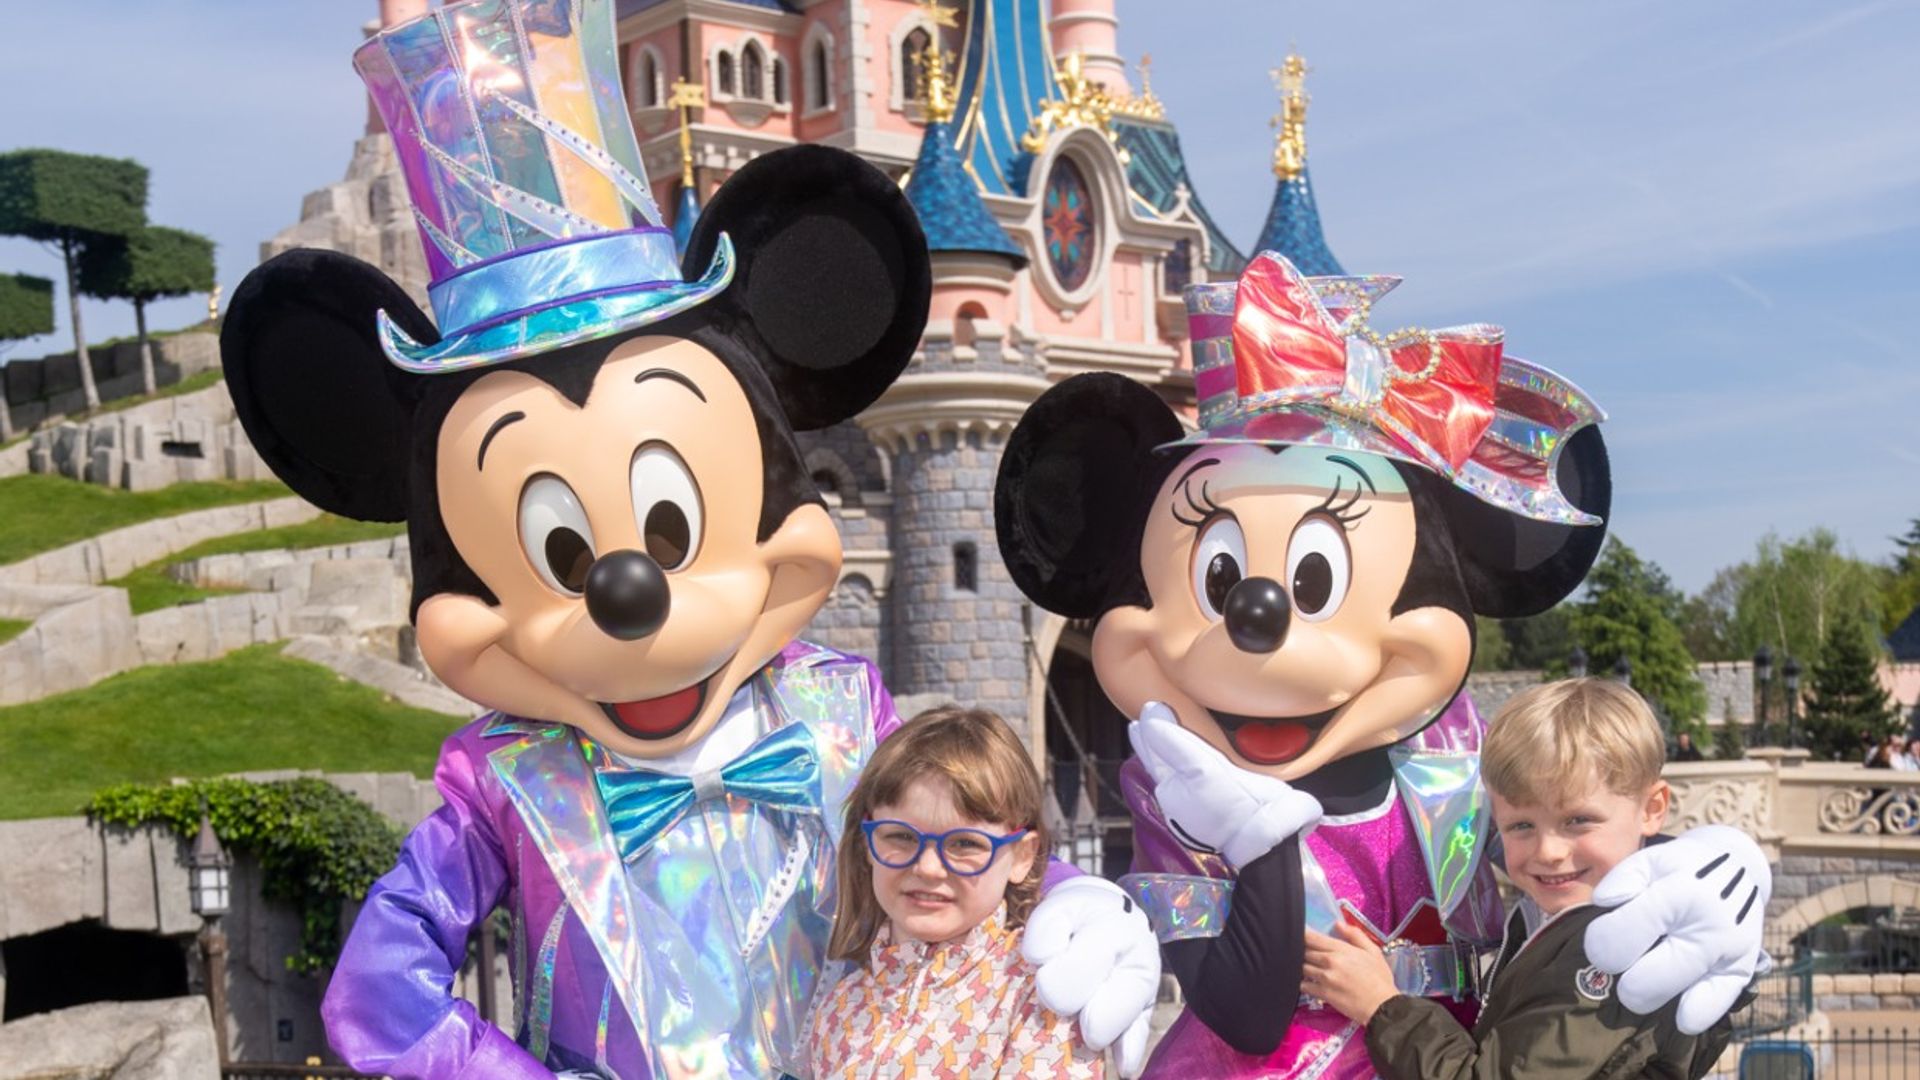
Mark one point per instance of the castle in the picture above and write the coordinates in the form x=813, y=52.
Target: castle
x=1063, y=227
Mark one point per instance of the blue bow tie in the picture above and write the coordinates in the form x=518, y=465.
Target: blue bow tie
x=779, y=771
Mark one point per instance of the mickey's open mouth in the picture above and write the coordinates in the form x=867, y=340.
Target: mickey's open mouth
x=1271, y=740
x=662, y=717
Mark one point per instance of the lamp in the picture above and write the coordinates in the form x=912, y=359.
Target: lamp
x=1623, y=670
x=1577, y=662
x=1762, y=676
x=1790, y=677
x=210, y=894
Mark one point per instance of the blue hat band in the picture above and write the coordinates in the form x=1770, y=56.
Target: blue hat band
x=521, y=282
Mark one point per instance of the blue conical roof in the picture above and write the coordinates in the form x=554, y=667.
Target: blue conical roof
x=1293, y=229
x=686, y=211
x=948, y=201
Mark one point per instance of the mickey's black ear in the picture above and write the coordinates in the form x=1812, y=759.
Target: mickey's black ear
x=833, y=276
x=1515, y=566
x=320, y=401
x=1070, y=502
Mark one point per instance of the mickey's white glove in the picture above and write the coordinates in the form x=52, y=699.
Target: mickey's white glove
x=1687, y=922
x=1212, y=804
x=1098, y=959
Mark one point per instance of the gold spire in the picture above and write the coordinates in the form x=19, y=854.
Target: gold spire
x=686, y=95
x=1145, y=106
x=935, y=91
x=934, y=86
x=1290, y=149
x=1082, y=103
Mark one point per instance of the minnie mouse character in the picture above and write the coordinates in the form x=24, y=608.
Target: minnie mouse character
x=1285, y=600
x=614, y=545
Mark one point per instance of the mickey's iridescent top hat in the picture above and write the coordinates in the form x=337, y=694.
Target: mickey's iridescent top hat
x=1283, y=358
x=519, y=155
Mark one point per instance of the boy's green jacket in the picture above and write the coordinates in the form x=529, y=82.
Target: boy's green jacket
x=1549, y=1015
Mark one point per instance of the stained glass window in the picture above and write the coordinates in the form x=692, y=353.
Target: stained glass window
x=1069, y=223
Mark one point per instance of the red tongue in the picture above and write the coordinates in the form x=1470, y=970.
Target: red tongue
x=1270, y=743
x=661, y=715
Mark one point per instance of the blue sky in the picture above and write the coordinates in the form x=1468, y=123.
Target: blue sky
x=1705, y=213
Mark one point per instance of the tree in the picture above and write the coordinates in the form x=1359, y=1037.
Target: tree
x=1490, y=650
x=1539, y=642
x=1729, y=742
x=1793, y=590
x=1903, y=580
x=1628, y=610
x=71, y=200
x=1846, y=697
x=153, y=263
x=1706, y=619
x=26, y=310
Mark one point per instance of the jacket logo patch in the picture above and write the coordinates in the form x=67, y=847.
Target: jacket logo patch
x=1592, y=983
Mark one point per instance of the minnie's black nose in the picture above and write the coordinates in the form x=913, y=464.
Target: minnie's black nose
x=1258, y=614
x=627, y=595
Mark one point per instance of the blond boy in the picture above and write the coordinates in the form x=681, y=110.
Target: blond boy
x=1572, y=769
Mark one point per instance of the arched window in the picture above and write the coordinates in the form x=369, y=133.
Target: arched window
x=779, y=79
x=723, y=72
x=752, y=72
x=966, y=322
x=913, y=52
x=819, y=77
x=646, y=91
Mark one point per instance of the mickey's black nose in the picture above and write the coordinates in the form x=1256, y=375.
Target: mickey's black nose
x=1258, y=614
x=627, y=595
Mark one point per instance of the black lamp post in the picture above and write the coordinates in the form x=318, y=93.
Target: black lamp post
x=1762, y=676
x=207, y=883
x=1577, y=663
x=1623, y=670
x=1790, y=678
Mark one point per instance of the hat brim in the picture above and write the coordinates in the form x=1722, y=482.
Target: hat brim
x=568, y=322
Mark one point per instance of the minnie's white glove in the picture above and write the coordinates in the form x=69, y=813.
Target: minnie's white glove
x=1212, y=804
x=1096, y=958
x=1686, y=921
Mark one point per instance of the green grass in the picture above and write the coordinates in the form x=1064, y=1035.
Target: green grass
x=150, y=589
x=252, y=709
x=39, y=513
x=12, y=628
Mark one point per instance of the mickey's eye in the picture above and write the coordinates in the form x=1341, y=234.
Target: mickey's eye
x=555, y=535
x=1318, y=568
x=666, y=506
x=1219, y=562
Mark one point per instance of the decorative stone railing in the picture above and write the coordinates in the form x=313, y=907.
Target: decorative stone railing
x=1795, y=806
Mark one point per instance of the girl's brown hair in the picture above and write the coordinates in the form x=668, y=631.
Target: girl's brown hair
x=992, y=779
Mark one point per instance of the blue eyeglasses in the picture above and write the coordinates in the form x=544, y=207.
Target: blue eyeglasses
x=966, y=852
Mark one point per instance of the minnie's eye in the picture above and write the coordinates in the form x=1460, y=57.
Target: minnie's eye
x=555, y=535
x=666, y=506
x=1219, y=562
x=1318, y=568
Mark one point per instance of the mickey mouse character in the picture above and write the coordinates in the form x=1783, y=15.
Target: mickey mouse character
x=1285, y=599
x=614, y=545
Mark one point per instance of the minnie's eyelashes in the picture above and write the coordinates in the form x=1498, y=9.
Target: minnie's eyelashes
x=1203, y=508
x=1343, y=512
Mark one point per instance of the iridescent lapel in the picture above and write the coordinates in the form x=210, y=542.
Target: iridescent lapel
x=547, y=776
x=1442, y=793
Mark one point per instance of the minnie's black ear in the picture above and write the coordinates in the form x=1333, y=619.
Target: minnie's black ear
x=320, y=401
x=1515, y=566
x=1075, y=481
x=833, y=276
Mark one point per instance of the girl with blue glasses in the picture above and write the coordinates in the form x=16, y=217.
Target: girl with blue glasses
x=939, y=866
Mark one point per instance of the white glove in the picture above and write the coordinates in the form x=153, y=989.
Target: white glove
x=1212, y=804
x=1098, y=959
x=1703, y=892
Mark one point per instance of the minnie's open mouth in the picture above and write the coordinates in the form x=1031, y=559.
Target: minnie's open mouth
x=1271, y=740
x=662, y=717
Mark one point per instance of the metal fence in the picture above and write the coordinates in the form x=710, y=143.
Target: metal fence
x=1871, y=1054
